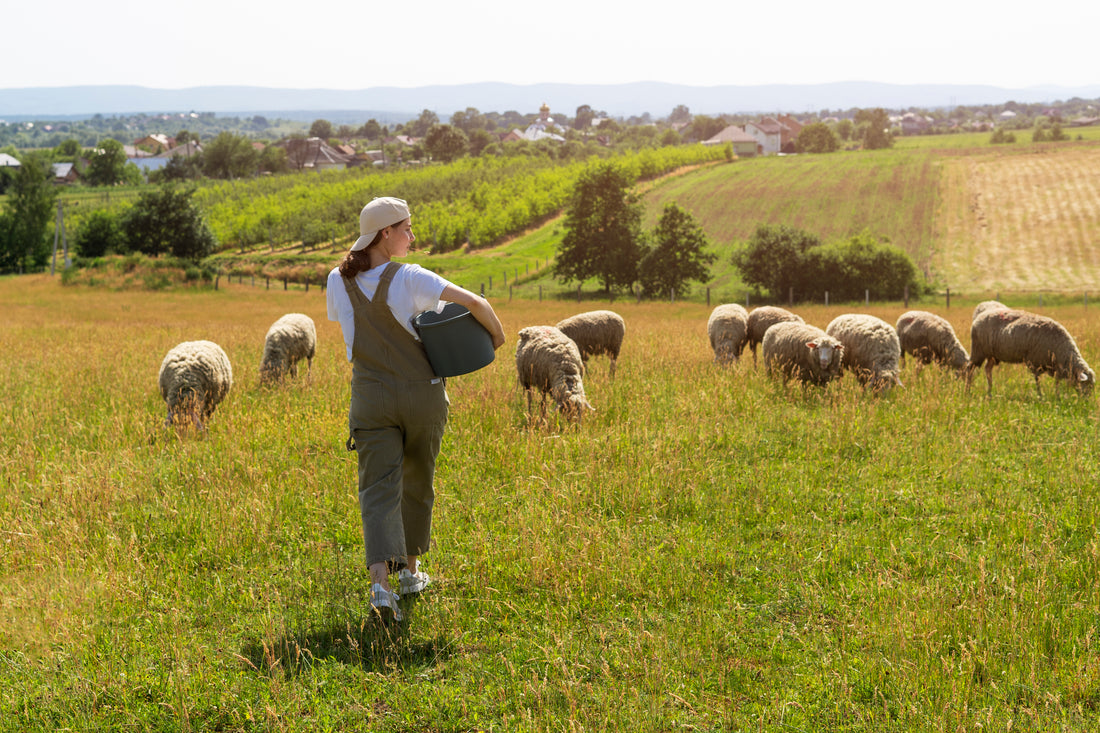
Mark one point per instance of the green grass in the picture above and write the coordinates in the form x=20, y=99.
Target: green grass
x=708, y=551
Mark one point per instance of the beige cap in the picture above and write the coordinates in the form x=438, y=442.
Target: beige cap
x=380, y=213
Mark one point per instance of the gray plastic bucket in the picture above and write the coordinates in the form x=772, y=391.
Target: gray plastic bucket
x=456, y=343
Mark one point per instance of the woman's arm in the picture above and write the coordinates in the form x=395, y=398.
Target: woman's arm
x=480, y=309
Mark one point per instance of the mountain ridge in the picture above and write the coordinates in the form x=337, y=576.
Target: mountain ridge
x=657, y=99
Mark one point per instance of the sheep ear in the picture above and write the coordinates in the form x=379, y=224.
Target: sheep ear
x=811, y=344
x=1082, y=377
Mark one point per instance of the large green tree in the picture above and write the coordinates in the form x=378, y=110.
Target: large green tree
x=166, y=221
x=229, y=156
x=107, y=164
x=446, y=143
x=678, y=255
x=773, y=259
x=603, y=229
x=31, y=205
x=816, y=137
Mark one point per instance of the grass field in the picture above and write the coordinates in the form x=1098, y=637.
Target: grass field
x=708, y=552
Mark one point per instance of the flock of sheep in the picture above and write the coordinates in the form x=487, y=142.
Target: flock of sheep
x=196, y=376
x=873, y=350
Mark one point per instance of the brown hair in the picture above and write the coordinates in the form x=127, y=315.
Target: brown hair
x=359, y=260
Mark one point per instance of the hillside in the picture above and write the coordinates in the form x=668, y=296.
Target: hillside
x=620, y=100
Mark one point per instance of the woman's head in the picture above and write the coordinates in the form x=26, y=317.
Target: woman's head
x=376, y=216
x=385, y=229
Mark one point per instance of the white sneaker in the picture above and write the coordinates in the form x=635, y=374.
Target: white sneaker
x=384, y=602
x=413, y=583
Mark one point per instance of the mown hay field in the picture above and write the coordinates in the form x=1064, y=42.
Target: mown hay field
x=708, y=551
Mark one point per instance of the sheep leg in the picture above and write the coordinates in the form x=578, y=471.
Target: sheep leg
x=989, y=378
x=612, y=377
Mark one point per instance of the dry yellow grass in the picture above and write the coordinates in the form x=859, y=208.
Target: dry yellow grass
x=1021, y=220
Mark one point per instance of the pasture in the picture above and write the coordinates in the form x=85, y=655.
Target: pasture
x=709, y=551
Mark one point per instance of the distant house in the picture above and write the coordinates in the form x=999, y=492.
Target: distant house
x=6, y=161
x=768, y=134
x=914, y=124
x=789, y=134
x=744, y=144
x=65, y=173
x=313, y=153
x=155, y=143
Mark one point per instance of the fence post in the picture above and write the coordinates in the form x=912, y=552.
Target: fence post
x=708, y=297
x=826, y=297
x=907, y=297
x=790, y=295
x=510, y=292
x=267, y=283
x=490, y=282
x=540, y=293
x=483, y=287
x=866, y=297
x=672, y=295
x=284, y=284
x=578, y=293
x=948, y=297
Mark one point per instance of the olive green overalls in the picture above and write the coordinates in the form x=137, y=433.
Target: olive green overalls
x=396, y=421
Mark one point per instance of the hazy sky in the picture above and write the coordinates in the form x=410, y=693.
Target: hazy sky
x=356, y=45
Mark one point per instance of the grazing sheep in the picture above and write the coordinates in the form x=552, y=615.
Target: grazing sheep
x=194, y=377
x=930, y=338
x=548, y=360
x=596, y=333
x=1019, y=337
x=760, y=319
x=871, y=349
x=803, y=351
x=289, y=340
x=728, y=329
x=987, y=305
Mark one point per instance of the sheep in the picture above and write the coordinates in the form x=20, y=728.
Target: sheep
x=800, y=350
x=871, y=349
x=987, y=305
x=596, y=333
x=929, y=337
x=760, y=319
x=1019, y=337
x=548, y=360
x=728, y=328
x=194, y=378
x=289, y=340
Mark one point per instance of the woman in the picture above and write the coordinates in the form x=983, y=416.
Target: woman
x=398, y=406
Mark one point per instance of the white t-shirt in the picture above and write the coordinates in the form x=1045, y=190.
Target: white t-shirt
x=412, y=290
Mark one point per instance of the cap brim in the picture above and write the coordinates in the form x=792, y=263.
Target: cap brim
x=363, y=242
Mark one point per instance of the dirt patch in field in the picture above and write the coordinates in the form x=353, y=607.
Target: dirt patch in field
x=1021, y=221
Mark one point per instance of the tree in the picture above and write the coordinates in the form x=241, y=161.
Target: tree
x=844, y=129
x=850, y=268
x=229, y=156
x=678, y=255
x=371, y=130
x=99, y=235
x=273, y=159
x=166, y=221
x=321, y=129
x=680, y=115
x=420, y=126
x=603, y=229
x=469, y=120
x=876, y=131
x=479, y=140
x=446, y=143
x=584, y=117
x=816, y=137
x=773, y=260
x=31, y=205
x=704, y=128
x=107, y=166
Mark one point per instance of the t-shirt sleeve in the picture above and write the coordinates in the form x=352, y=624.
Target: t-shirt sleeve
x=426, y=288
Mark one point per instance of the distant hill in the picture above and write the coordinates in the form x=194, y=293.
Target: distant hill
x=388, y=104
